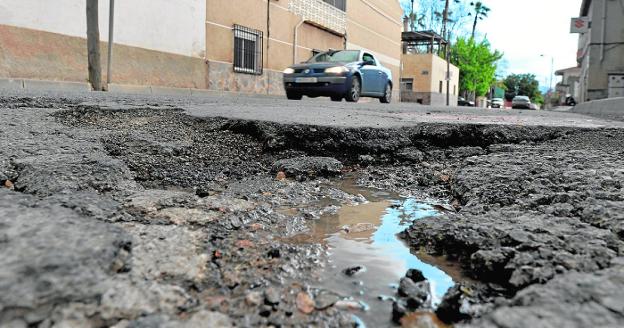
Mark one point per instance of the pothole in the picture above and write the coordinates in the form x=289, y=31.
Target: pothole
x=367, y=259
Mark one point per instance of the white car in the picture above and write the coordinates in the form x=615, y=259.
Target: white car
x=521, y=102
x=498, y=103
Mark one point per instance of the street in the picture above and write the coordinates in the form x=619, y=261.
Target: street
x=217, y=211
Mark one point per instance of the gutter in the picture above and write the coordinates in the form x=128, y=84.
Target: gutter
x=295, y=40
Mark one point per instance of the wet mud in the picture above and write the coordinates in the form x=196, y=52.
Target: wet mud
x=127, y=212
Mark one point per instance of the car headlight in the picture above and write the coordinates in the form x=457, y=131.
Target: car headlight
x=336, y=70
x=289, y=70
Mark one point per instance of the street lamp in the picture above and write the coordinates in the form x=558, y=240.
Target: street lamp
x=552, y=71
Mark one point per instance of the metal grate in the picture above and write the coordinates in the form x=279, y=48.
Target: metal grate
x=247, y=50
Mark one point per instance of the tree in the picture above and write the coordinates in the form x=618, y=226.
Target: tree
x=477, y=65
x=523, y=85
x=93, y=45
x=480, y=13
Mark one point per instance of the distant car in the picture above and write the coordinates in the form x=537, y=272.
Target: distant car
x=348, y=74
x=498, y=103
x=463, y=102
x=519, y=102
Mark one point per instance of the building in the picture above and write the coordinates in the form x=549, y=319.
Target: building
x=424, y=73
x=601, y=50
x=569, y=84
x=240, y=45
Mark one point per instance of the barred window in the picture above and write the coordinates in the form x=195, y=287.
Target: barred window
x=340, y=4
x=247, y=50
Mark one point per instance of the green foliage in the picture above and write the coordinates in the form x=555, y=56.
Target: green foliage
x=477, y=65
x=523, y=85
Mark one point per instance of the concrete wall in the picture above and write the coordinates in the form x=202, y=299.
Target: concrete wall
x=595, y=71
x=157, y=42
x=163, y=25
x=34, y=54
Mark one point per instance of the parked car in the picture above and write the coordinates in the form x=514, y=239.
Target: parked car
x=463, y=102
x=521, y=102
x=498, y=103
x=348, y=74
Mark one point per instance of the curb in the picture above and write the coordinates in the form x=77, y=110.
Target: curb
x=610, y=107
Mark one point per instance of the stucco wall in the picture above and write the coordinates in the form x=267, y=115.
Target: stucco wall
x=594, y=73
x=176, y=27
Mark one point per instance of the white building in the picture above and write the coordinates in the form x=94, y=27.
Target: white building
x=601, y=50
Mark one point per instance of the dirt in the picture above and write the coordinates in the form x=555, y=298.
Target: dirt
x=128, y=212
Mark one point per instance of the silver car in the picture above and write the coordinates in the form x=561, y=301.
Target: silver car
x=519, y=102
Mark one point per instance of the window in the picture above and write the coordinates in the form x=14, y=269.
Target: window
x=407, y=84
x=369, y=57
x=441, y=86
x=340, y=4
x=247, y=50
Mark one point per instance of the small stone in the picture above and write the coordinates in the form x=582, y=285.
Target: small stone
x=244, y=243
x=8, y=184
x=349, y=305
x=325, y=299
x=254, y=298
x=354, y=270
x=281, y=176
x=415, y=275
x=271, y=296
x=445, y=178
x=398, y=312
x=305, y=304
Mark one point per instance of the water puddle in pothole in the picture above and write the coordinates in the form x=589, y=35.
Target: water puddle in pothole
x=365, y=236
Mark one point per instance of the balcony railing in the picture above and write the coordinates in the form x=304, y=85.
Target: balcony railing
x=320, y=13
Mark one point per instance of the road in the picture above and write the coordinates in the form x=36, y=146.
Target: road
x=141, y=211
x=368, y=113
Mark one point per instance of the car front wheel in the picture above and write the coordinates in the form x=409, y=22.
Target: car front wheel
x=387, y=97
x=353, y=95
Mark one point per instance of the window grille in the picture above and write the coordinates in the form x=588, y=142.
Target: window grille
x=247, y=50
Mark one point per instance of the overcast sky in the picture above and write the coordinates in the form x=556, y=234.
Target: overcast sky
x=524, y=30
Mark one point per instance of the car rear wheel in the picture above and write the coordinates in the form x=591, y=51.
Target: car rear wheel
x=293, y=96
x=353, y=95
x=336, y=98
x=387, y=97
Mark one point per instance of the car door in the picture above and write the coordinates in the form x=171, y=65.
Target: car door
x=370, y=75
x=382, y=77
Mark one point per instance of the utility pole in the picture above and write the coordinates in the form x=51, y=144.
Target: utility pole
x=111, y=29
x=448, y=42
x=93, y=45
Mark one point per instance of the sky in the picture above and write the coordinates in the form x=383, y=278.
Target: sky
x=524, y=30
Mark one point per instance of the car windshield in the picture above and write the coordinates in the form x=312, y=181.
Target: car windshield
x=345, y=56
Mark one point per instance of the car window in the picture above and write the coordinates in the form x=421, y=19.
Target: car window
x=367, y=57
x=345, y=56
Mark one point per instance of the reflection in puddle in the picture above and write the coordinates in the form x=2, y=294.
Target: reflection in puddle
x=366, y=235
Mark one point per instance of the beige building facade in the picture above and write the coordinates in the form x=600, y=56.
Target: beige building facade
x=225, y=45
x=250, y=42
x=601, y=51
